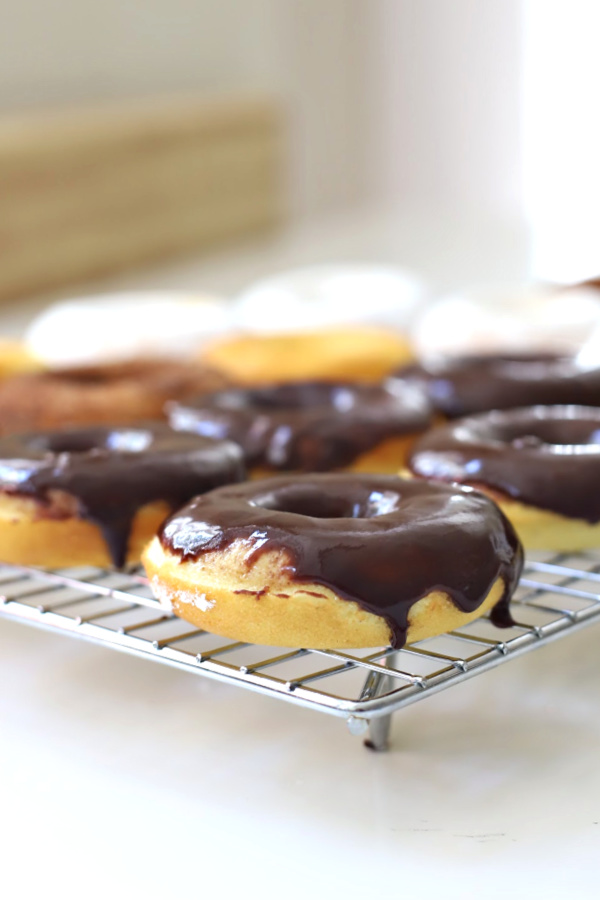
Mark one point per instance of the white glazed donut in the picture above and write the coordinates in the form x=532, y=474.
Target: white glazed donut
x=118, y=327
x=327, y=296
x=509, y=318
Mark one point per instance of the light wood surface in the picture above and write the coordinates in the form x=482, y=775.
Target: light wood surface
x=88, y=192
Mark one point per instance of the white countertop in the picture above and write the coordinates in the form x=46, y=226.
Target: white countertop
x=119, y=774
x=117, y=768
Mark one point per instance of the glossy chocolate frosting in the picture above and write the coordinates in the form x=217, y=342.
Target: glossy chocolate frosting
x=471, y=384
x=112, y=472
x=545, y=456
x=381, y=541
x=306, y=426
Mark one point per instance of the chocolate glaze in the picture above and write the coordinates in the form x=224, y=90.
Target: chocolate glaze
x=545, y=456
x=306, y=426
x=470, y=384
x=112, y=472
x=381, y=541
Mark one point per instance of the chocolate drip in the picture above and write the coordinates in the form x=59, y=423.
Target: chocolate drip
x=381, y=541
x=545, y=456
x=471, y=384
x=112, y=472
x=307, y=426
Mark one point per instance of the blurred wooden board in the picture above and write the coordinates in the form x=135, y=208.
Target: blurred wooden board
x=84, y=193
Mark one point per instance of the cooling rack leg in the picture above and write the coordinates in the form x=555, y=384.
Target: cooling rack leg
x=378, y=728
x=379, y=733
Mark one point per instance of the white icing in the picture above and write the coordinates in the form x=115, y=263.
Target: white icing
x=508, y=318
x=329, y=295
x=115, y=327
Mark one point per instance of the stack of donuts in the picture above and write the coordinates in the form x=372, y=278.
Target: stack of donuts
x=317, y=488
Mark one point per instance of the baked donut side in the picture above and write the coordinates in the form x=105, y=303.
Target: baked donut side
x=331, y=354
x=541, y=465
x=335, y=561
x=54, y=534
x=541, y=529
x=96, y=496
x=311, y=426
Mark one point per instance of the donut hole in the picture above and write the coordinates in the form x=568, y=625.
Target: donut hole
x=68, y=442
x=536, y=441
x=558, y=429
x=477, y=383
x=556, y=434
x=134, y=440
x=79, y=376
x=311, y=395
x=302, y=395
x=316, y=503
x=526, y=441
x=99, y=376
x=533, y=367
x=517, y=366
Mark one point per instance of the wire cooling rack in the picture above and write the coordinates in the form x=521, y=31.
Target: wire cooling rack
x=556, y=595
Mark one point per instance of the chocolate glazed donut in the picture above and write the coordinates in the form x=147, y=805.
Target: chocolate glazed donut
x=471, y=384
x=312, y=426
x=58, y=489
x=336, y=560
x=542, y=464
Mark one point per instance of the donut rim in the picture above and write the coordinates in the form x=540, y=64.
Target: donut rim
x=273, y=610
x=240, y=544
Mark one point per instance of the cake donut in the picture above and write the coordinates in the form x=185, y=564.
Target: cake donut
x=312, y=426
x=464, y=385
x=331, y=354
x=96, y=496
x=335, y=560
x=114, y=394
x=540, y=464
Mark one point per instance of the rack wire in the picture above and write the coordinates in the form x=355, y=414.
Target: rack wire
x=556, y=595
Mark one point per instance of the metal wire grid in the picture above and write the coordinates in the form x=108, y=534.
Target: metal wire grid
x=557, y=594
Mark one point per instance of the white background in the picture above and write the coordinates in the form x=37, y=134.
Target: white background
x=449, y=105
